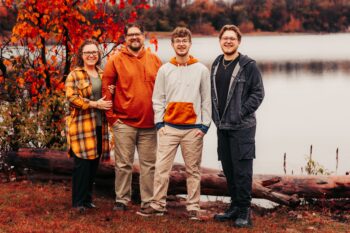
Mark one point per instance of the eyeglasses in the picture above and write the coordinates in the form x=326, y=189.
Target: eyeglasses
x=133, y=34
x=179, y=41
x=90, y=53
x=226, y=38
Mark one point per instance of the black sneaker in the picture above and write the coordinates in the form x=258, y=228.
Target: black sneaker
x=229, y=214
x=79, y=209
x=90, y=205
x=118, y=206
x=244, y=219
x=149, y=211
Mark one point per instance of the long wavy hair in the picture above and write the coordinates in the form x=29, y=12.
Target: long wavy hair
x=80, y=61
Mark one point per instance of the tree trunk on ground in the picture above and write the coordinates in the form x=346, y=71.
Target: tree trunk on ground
x=282, y=189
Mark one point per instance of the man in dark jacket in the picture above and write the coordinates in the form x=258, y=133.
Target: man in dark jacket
x=237, y=92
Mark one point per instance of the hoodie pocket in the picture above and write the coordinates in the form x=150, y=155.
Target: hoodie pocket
x=180, y=113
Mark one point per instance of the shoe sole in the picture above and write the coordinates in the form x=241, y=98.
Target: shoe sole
x=224, y=219
x=250, y=225
x=148, y=215
x=116, y=209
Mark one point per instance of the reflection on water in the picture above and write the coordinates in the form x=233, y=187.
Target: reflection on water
x=307, y=67
x=278, y=48
x=299, y=109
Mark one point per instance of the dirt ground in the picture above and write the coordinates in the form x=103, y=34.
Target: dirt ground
x=46, y=207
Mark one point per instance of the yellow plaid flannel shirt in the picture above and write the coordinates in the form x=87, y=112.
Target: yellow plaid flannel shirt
x=81, y=120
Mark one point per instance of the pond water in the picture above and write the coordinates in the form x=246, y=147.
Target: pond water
x=302, y=106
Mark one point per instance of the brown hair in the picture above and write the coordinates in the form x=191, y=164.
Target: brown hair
x=230, y=27
x=131, y=25
x=181, y=32
x=80, y=61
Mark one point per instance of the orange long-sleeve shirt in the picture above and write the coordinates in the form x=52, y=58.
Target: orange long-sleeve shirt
x=134, y=78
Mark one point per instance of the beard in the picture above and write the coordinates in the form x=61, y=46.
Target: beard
x=182, y=54
x=230, y=53
x=135, y=48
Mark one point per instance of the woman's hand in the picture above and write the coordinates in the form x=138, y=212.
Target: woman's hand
x=111, y=89
x=101, y=104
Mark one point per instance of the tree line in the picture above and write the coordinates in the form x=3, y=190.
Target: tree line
x=208, y=16
x=205, y=16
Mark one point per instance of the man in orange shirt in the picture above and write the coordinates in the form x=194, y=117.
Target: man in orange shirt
x=133, y=71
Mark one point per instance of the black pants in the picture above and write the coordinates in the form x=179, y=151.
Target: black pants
x=84, y=173
x=236, y=150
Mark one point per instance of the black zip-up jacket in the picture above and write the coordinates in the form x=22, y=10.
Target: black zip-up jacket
x=245, y=95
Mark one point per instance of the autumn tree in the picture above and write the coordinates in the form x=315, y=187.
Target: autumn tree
x=44, y=40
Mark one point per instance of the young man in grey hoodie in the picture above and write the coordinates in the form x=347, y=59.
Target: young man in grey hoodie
x=182, y=107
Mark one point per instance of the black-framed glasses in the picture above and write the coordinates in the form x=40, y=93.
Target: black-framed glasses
x=90, y=53
x=226, y=38
x=179, y=41
x=133, y=34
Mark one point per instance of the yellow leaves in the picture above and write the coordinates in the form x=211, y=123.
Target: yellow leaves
x=33, y=17
x=38, y=44
x=14, y=39
x=54, y=63
x=45, y=19
x=20, y=82
x=7, y=62
x=96, y=33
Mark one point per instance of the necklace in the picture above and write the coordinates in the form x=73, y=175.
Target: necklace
x=223, y=63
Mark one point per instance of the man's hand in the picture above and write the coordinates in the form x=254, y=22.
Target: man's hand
x=111, y=89
x=199, y=133
x=162, y=130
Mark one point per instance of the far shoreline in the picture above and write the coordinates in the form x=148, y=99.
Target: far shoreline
x=165, y=35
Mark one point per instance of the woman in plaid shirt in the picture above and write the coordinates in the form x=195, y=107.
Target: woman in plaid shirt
x=87, y=130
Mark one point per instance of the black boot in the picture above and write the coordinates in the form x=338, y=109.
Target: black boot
x=230, y=214
x=244, y=218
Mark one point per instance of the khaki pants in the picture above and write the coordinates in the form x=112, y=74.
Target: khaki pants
x=191, y=148
x=126, y=138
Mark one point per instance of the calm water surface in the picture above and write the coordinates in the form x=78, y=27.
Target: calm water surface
x=300, y=107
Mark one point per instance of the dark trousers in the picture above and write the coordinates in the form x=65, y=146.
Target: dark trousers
x=236, y=150
x=84, y=173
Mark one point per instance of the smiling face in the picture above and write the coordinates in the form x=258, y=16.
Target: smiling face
x=181, y=45
x=229, y=42
x=90, y=55
x=134, y=39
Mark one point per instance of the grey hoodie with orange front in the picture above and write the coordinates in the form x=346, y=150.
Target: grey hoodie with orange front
x=182, y=96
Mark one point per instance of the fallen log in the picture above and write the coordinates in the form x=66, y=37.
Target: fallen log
x=282, y=189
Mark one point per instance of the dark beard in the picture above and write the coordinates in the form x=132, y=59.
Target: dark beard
x=135, y=49
x=231, y=53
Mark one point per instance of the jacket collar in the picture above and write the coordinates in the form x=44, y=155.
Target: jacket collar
x=99, y=70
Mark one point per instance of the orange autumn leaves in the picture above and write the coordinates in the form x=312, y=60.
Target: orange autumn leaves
x=40, y=53
x=51, y=32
